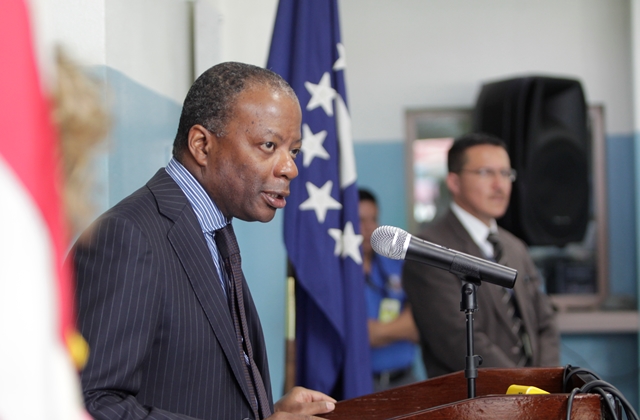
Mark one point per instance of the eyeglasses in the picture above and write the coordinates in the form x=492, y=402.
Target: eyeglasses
x=486, y=173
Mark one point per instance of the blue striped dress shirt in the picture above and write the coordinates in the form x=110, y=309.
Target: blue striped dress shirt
x=208, y=214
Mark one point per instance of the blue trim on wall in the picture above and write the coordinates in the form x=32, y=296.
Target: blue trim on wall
x=145, y=124
x=622, y=215
x=381, y=169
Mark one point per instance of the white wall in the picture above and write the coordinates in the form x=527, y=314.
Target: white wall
x=78, y=26
x=246, y=30
x=635, y=48
x=401, y=53
x=150, y=41
x=237, y=30
x=436, y=53
x=412, y=53
x=147, y=40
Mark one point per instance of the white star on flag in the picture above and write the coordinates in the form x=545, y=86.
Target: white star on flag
x=347, y=243
x=320, y=200
x=341, y=62
x=312, y=145
x=322, y=94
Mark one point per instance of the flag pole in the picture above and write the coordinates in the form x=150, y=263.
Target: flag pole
x=290, y=336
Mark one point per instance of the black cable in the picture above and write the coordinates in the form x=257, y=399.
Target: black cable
x=628, y=409
x=564, y=377
x=569, y=371
x=605, y=397
x=593, y=384
x=570, y=401
x=605, y=389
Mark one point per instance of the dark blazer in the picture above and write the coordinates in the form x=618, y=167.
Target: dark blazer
x=161, y=337
x=435, y=297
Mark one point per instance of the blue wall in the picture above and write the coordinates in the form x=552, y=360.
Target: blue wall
x=381, y=168
x=145, y=124
x=622, y=215
x=612, y=356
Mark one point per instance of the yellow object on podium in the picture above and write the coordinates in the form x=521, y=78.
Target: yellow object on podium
x=524, y=389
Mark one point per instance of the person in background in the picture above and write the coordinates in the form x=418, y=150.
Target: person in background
x=513, y=328
x=392, y=332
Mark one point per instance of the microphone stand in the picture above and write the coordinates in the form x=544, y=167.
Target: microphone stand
x=468, y=305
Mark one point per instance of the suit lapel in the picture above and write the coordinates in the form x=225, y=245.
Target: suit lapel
x=468, y=246
x=461, y=238
x=189, y=244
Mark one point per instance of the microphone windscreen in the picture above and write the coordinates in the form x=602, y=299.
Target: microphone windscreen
x=389, y=242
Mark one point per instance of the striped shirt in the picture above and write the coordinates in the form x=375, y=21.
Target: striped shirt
x=208, y=214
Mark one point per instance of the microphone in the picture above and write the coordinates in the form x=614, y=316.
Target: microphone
x=395, y=243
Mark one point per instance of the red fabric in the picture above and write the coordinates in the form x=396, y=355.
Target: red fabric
x=28, y=141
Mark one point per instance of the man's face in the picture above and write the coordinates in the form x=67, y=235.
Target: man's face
x=368, y=213
x=486, y=197
x=248, y=171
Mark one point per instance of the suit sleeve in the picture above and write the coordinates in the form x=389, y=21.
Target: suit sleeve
x=548, y=335
x=119, y=302
x=435, y=297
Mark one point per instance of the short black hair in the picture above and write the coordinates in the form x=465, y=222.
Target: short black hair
x=456, y=155
x=366, y=195
x=211, y=99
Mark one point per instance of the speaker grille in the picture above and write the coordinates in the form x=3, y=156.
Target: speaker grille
x=558, y=197
x=543, y=121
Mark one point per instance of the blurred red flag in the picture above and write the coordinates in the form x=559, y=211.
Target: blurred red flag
x=37, y=377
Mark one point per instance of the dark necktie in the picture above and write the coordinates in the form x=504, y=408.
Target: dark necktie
x=230, y=252
x=497, y=246
x=523, y=346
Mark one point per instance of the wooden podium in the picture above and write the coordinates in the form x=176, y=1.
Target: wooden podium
x=445, y=397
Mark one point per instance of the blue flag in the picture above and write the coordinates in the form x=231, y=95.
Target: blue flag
x=321, y=224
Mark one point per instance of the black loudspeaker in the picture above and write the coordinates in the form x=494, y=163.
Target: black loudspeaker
x=543, y=121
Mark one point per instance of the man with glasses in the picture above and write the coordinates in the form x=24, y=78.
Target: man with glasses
x=512, y=328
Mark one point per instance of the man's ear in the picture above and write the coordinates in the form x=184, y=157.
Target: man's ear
x=199, y=144
x=453, y=183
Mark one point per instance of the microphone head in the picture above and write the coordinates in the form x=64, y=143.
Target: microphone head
x=390, y=242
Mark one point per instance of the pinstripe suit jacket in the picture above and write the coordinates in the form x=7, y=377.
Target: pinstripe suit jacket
x=151, y=307
x=435, y=297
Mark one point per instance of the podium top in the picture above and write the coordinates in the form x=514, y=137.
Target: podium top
x=445, y=397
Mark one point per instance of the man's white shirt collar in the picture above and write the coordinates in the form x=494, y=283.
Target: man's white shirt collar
x=476, y=228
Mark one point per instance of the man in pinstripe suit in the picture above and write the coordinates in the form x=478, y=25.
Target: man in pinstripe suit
x=151, y=293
